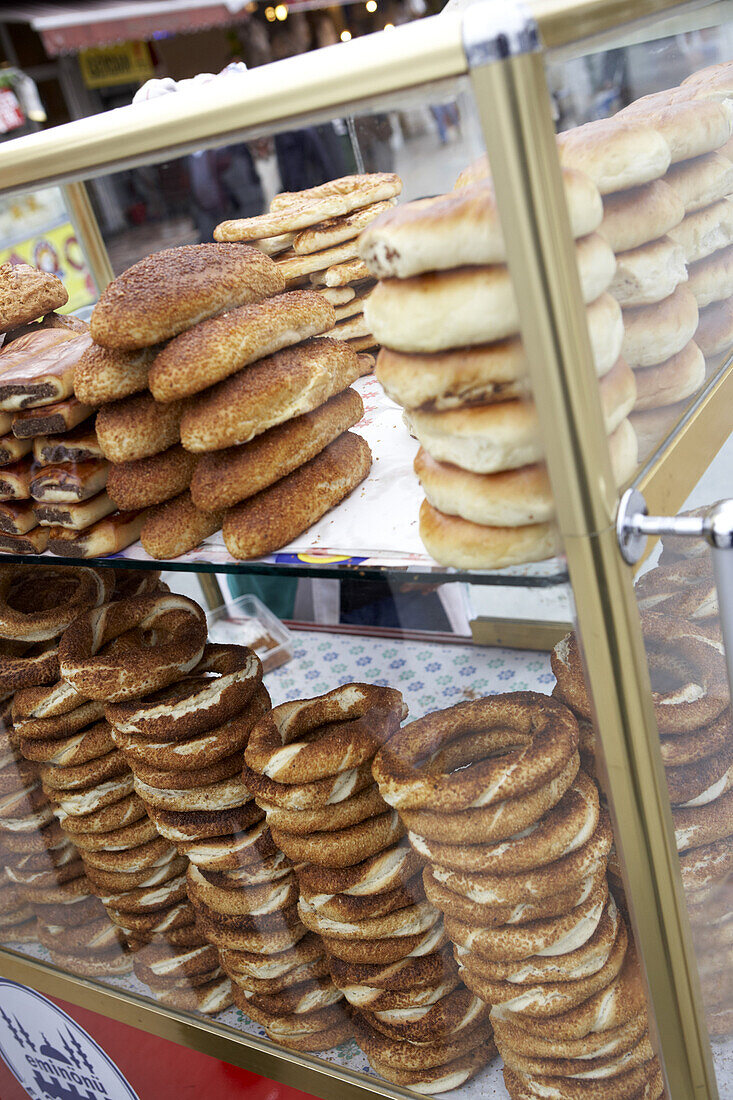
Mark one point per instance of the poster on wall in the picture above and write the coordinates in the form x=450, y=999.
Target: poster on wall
x=57, y=251
x=50, y=1055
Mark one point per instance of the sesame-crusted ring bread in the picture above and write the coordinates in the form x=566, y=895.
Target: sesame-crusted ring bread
x=109, y=374
x=138, y=427
x=219, y=347
x=223, y=478
x=27, y=293
x=462, y=227
x=151, y=480
x=177, y=526
x=172, y=290
x=287, y=384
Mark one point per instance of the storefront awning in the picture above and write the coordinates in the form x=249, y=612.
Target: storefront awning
x=68, y=28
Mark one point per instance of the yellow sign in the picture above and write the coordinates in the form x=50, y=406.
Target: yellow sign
x=57, y=251
x=128, y=63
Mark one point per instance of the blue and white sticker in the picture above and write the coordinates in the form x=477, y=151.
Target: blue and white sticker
x=50, y=1055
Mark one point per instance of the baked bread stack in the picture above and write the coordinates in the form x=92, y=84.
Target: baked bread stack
x=52, y=473
x=45, y=866
x=313, y=236
x=184, y=745
x=155, y=300
x=694, y=720
x=516, y=843
x=446, y=314
x=17, y=919
x=361, y=893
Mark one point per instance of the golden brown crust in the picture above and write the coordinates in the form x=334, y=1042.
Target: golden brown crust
x=67, y=483
x=62, y=416
x=151, y=480
x=282, y=386
x=79, y=445
x=27, y=293
x=138, y=427
x=273, y=517
x=109, y=374
x=177, y=526
x=674, y=380
x=217, y=348
x=641, y=214
x=108, y=536
x=223, y=478
x=169, y=291
x=466, y=545
x=335, y=230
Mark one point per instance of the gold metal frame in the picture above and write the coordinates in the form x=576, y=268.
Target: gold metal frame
x=513, y=103
x=88, y=233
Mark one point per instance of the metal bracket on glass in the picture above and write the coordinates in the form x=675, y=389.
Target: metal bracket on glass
x=634, y=525
x=494, y=30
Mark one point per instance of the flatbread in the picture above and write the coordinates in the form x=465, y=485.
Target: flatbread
x=354, y=326
x=640, y=215
x=616, y=153
x=671, y=381
x=701, y=181
x=337, y=230
x=301, y=209
x=460, y=228
x=294, y=267
x=656, y=332
x=690, y=128
x=649, y=274
x=705, y=231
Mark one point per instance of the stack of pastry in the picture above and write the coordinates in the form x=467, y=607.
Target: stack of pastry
x=696, y=735
x=309, y=763
x=53, y=475
x=105, y=656
x=197, y=353
x=17, y=919
x=41, y=861
x=516, y=843
x=313, y=236
x=184, y=745
x=446, y=314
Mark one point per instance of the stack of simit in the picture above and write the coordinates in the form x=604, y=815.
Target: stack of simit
x=37, y=604
x=446, y=314
x=516, y=843
x=313, y=236
x=694, y=720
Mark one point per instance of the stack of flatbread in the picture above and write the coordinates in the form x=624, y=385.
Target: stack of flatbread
x=52, y=472
x=198, y=352
x=312, y=236
x=446, y=315
x=669, y=220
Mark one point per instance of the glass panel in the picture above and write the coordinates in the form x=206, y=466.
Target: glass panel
x=666, y=209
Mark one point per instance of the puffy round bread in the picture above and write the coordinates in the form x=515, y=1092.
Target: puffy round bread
x=689, y=127
x=654, y=333
x=486, y=372
x=711, y=279
x=649, y=274
x=172, y=290
x=462, y=227
x=467, y=305
x=464, y=545
x=653, y=425
x=616, y=153
x=671, y=381
x=642, y=214
x=715, y=331
x=705, y=231
x=513, y=498
x=490, y=438
x=701, y=181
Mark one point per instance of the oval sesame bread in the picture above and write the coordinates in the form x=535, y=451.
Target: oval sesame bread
x=172, y=290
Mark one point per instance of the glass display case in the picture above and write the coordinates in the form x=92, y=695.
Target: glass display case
x=465, y=821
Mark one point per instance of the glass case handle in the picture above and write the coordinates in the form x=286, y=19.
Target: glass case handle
x=634, y=525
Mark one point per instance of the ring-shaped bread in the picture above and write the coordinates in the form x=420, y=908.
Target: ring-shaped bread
x=173, y=626
x=59, y=596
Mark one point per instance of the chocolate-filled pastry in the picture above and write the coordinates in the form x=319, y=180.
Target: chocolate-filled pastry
x=79, y=445
x=67, y=483
x=77, y=517
x=15, y=480
x=108, y=536
x=33, y=542
x=41, y=375
x=12, y=448
x=51, y=419
x=16, y=517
